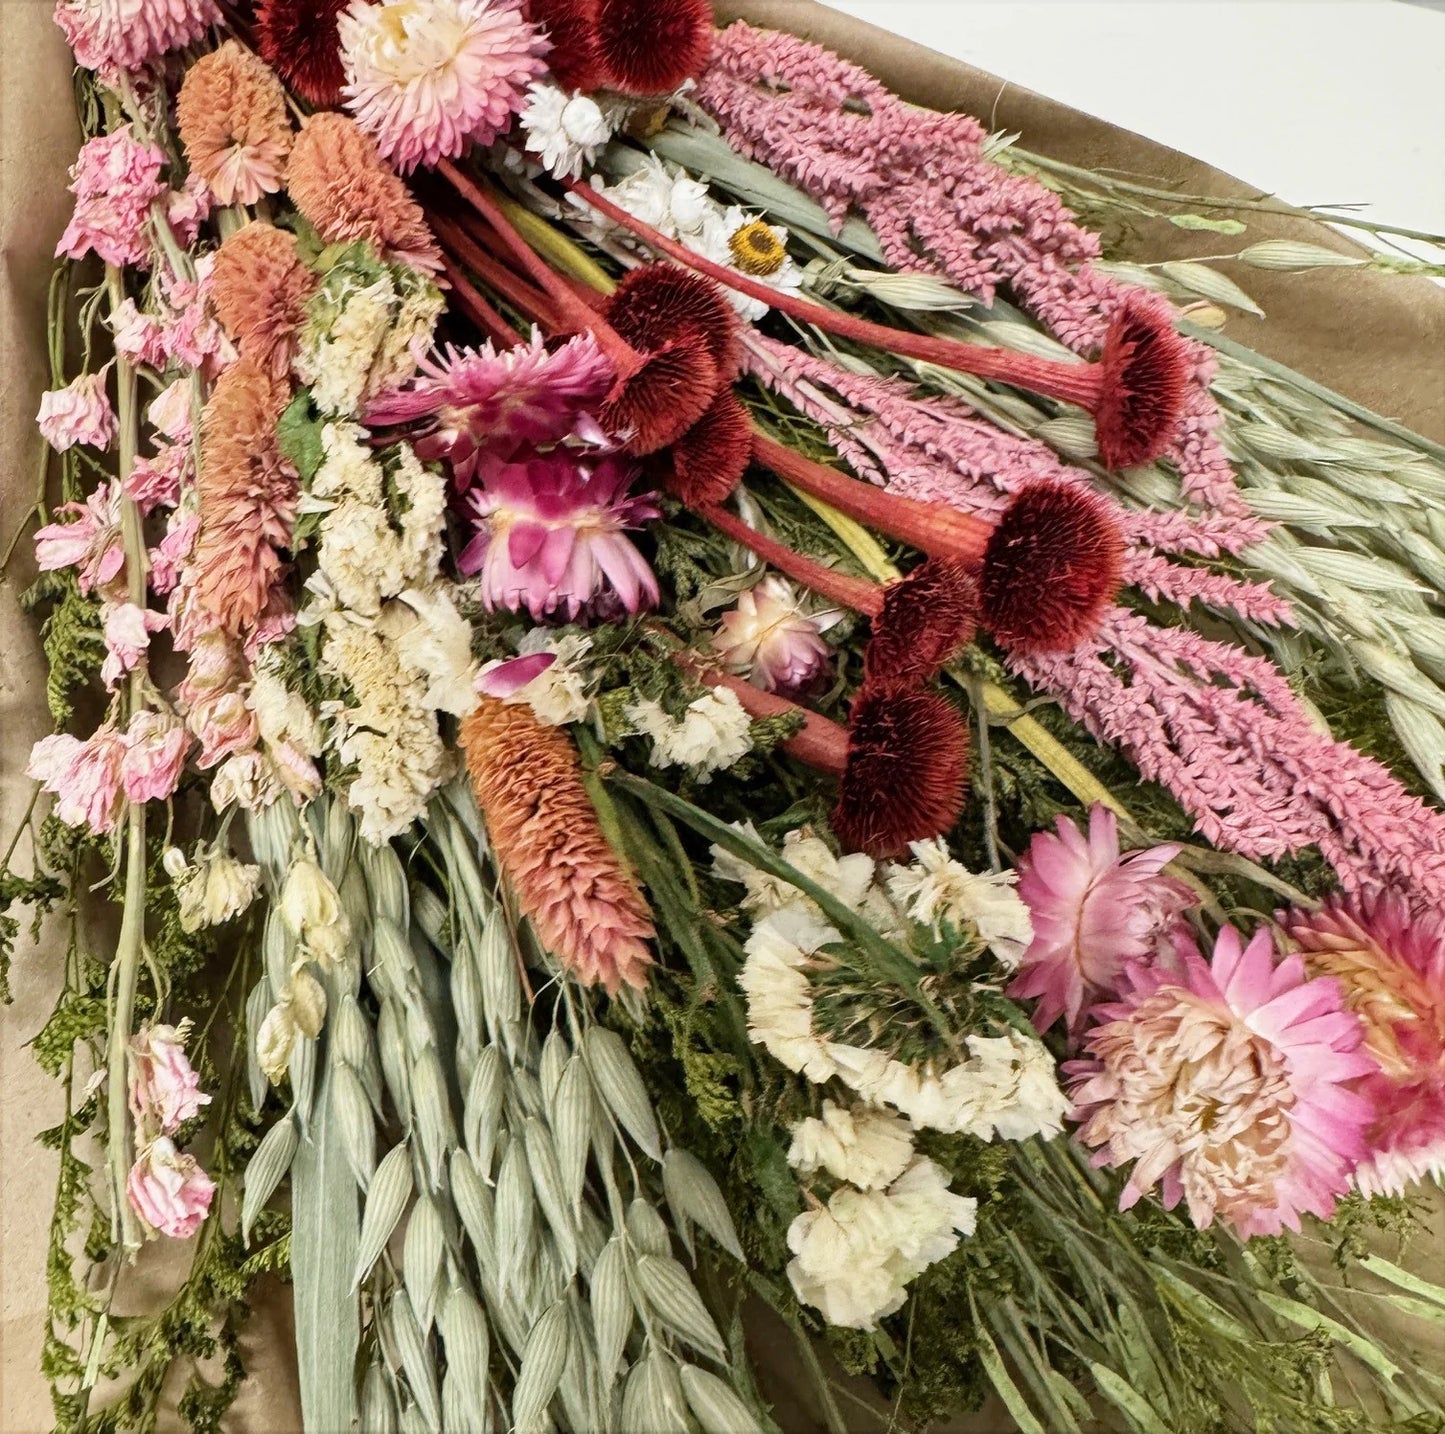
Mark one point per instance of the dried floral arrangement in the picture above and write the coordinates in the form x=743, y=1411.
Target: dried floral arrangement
x=690, y=702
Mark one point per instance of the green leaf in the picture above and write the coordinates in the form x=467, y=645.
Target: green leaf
x=1127, y=1401
x=298, y=432
x=1002, y=1382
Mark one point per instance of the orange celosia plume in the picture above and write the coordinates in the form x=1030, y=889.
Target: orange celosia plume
x=259, y=288
x=585, y=907
x=248, y=496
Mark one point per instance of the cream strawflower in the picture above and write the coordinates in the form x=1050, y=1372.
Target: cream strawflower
x=710, y=735
x=213, y=890
x=935, y=888
x=427, y=78
x=564, y=133
x=867, y=1148
x=773, y=640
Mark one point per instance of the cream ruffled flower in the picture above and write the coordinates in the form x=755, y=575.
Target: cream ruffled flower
x=935, y=888
x=215, y=889
x=775, y=981
x=435, y=642
x=867, y=1148
x=710, y=735
x=854, y=1258
x=849, y=878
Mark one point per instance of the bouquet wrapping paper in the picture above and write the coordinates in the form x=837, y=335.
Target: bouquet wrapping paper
x=1377, y=340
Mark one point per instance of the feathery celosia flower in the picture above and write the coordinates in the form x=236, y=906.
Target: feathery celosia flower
x=552, y=536
x=772, y=640
x=1092, y=911
x=430, y=77
x=115, y=179
x=1392, y=968
x=338, y=181
x=1228, y=1083
x=907, y=769
x=586, y=909
x=232, y=118
x=248, y=496
x=259, y=287
x=298, y=39
x=479, y=401
x=649, y=47
x=112, y=36
x=78, y=413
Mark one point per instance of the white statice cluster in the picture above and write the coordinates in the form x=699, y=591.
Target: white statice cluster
x=712, y=733
x=562, y=691
x=566, y=132
x=364, y=328
x=392, y=634
x=854, y=1258
x=934, y=889
x=211, y=888
x=670, y=200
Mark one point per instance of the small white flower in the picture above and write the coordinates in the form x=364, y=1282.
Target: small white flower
x=564, y=133
x=935, y=888
x=282, y=714
x=435, y=641
x=849, y=878
x=215, y=889
x=274, y=1041
x=779, y=996
x=311, y=907
x=710, y=735
x=560, y=692
x=867, y=1148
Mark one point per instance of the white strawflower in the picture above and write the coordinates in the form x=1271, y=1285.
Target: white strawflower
x=564, y=133
x=935, y=888
x=867, y=1148
x=213, y=890
x=710, y=735
x=779, y=995
x=854, y=1258
x=849, y=878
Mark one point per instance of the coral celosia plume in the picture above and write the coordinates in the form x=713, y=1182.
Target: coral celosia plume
x=585, y=907
x=259, y=288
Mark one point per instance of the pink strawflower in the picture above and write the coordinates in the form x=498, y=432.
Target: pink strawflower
x=91, y=541
x=773, y=640
x=111, y=36
x=551, y=537
x=428, y=78
x=470, y=400
x=168, y=1190
x=1392, y=968
x=84, y=777
x=78, y=413
x=1093, y=911
x=155, y=756
x=128, y=631
x=164, y=1090
x=1227, y=1084
x=138, y=335
x=115, y=179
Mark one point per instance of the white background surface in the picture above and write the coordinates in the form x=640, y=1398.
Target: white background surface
x=1320, y=101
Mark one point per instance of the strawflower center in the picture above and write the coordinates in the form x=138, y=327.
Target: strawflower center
x=757, y=250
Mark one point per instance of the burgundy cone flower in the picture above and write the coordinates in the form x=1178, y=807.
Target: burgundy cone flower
x=571, y=27
x=1135, y=392
x=657, y=302
x=649, y=47
x=298, y=39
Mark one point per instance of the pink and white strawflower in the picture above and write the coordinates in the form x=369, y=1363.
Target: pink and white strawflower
x=164, y=1090
x=78, y=413
x=1228, y=1085
x=1392, y=968
x=467, y=400
x=115, y=180
x=118, y=36
x=84, y=777
x=1092, y=912
x=155, y=756
x=773, y=640
x=168, y=1190
x=128, y=630
x=428, y=78
x=552, y=537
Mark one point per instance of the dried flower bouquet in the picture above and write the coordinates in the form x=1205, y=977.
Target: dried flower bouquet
x=701, y=705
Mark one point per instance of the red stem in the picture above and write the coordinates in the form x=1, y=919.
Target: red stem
x=510, y=286
x=478, y=309
x=578, y=316
x=1078, y=383
x=821, y=743
x=856, y=593
x=934, y=528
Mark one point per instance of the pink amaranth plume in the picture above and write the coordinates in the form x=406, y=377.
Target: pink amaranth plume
x=481, y=400
x=1227, y=1084
x=552, y=536
x=1093, y=912
x=1392, y=969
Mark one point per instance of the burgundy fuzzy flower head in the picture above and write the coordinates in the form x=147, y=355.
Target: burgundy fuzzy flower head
x=709, y=460
x=656, y=302
x=1143, y=380
x=649, y=47
x=571, y=27
x=927, y=617
x=906, y=771
x=669, y=390
x=1052, y=566
x=298, y=39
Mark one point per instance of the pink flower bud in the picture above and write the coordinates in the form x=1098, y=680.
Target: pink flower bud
x=168, y=1190
x=164, y=1090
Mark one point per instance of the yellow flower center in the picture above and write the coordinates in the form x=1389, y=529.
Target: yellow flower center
x=756, y=249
